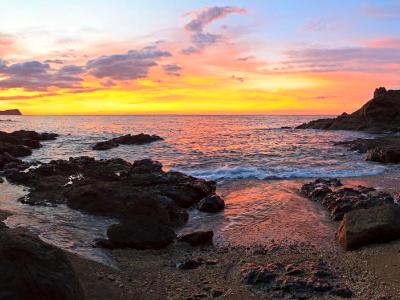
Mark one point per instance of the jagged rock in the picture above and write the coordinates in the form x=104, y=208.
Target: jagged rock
x=341, y=200
x=294, y=281
x=32, y=269
x=383, y=149
x=366, y=226
x=382, y=113
x=197, y=238
x=139, y=139
x=380, y=92
x=211, y=204
x=20, y=143
x=114, y=188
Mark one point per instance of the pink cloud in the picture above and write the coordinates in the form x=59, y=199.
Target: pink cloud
x=388, y=42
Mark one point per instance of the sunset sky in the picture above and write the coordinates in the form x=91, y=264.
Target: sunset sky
x=196, y=57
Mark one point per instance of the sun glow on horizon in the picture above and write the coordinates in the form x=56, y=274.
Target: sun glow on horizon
x=201, y=60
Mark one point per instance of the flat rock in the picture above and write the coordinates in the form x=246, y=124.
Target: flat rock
x=294, y=281
x=366, y=226
x=139, y=139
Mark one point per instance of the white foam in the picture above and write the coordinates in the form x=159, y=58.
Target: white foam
x=246, y=172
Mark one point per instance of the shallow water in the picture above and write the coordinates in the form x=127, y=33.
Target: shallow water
x=61, y=226
x=261, y=212
x=255, y=162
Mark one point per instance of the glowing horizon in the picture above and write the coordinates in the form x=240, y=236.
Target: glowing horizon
x=264, y=57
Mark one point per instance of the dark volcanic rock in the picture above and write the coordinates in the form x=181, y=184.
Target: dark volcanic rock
x=294, y=281
x=382, y=113
x=20, y=143
x=114, y=188
x=141, y=232
x=341, y=200
x=366, y=226
x=211, y=204
x=32, y=269
x=383, y=149
x=139, y=139
x=197, y=238
x=10, y=112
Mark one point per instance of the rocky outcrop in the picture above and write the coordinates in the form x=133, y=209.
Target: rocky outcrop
x=20, y=143
x=366, y=226
x=32, y=269
x=197, y=238
x=382, y=113
x=294, y=281
x=139, y=139
x=382, y=149
x=10, y=112
x=116, y=188
x=340, y=200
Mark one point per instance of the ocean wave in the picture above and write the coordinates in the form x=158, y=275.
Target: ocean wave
x=230, y=173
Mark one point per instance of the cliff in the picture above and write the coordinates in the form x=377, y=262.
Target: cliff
x=382, y=113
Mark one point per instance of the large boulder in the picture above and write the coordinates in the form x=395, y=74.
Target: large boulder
x=141, y=232
x=32, y=269
x=382, y=113
x=128, y=139
x=366, y=226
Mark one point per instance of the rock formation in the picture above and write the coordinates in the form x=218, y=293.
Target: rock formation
x=340, y=200
x=148, y=201
x=380, y=114
x=139, y=139
x=383, y=149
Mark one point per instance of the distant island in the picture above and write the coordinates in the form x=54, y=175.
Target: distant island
x=10, y=112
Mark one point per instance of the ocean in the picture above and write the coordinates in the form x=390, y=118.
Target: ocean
x=257, y=164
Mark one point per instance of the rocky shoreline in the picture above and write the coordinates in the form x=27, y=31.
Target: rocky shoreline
x=156, y=264
x=380, y=114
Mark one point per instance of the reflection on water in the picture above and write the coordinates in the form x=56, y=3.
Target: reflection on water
x=259, y=211
x=213, y=147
